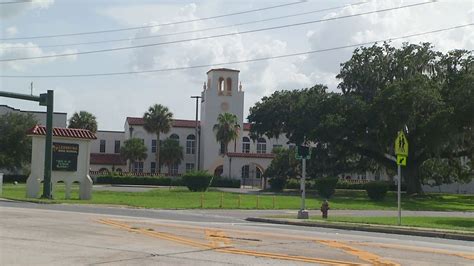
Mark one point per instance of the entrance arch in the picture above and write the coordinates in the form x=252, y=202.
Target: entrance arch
x=219, y=170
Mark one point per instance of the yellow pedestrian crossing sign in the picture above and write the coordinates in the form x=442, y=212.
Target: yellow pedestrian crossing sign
x=401, y=144
x=401, y=160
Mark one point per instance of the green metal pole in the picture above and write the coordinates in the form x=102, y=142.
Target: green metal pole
x=48, y=148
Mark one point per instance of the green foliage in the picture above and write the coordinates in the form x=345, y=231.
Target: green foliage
x=226, y=129
x=138, y=180
x=158, y=120
x=134, y=150
x=437, y=171
x=284, y=165
x=225, y=182
x=377, y=190
x=15, y=146
x=13, y=178
x=277, y=183
x=384, y=89
x=84, y=120
x=197, y=180
x=170, y=153
x=326, y=186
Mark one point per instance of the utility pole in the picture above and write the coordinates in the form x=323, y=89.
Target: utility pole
x=198, y=138
x=303, y=153
x=45, y=99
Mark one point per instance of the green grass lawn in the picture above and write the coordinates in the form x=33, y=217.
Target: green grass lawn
x=180, y=197
x=450, y=223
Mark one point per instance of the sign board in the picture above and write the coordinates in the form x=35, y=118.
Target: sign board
x=401, y=144
x=401, y=160
x=303, y=152
x=65, y=156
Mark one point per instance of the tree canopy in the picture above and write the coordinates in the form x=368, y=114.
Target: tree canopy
x=84, y=120
x=158, y=119
x=383, y=89
x=226, y=129
x=134, y=150
x=171, y=153
x=15, y=146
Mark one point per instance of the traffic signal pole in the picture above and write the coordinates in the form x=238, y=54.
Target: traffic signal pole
x=45, y=99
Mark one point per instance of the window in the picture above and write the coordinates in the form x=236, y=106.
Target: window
x=245, y=145
x=222, y=149
x=220, y=85
x=174, y=169
x=258, y=173
x=174, y=137
x=117, y=146
x=245, y=171
x=229, y=85
x=153, y=167
x=102, y=145
x=153, y=146
x=191, y=144
x=138, y=167
x=261, y=145
x=189, y=167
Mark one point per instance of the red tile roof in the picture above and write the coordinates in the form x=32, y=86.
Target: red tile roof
x=138, y=121
x=251, y=155
x=74, y=133
x=107, y=158
x=222, y=69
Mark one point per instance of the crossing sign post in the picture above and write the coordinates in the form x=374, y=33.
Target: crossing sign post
x=401, y=150
x=303, y=153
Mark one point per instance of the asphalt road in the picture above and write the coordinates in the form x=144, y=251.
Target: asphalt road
x=40, y=234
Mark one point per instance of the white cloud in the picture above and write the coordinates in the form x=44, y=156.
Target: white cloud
x=12, y=10
x=11, y=31
x=22, y=50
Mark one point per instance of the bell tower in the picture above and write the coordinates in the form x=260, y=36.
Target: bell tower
x=222, y=93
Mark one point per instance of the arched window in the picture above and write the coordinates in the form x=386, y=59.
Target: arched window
x=220, y=86
x=228, y=85
x=258, y=172
x=261, y=145
x=174, y=137
x=245, y=145
x=219, y=170
x=245, y=171
x=190, y=144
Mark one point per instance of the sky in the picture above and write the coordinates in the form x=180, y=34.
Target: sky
x=112, y=98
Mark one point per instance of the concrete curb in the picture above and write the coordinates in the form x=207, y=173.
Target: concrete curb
x=370, y=228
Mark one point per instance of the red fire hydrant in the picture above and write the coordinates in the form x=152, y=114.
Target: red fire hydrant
x=325, y=209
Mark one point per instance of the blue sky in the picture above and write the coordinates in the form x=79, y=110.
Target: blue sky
x=111, y=99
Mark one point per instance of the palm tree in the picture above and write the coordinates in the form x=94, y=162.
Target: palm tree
x=158, y=120
x=226, y=130
x=84, y=120
x=171, y=153
x=134, y=150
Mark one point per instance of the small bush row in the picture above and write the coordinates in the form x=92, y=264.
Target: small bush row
x=13, y=178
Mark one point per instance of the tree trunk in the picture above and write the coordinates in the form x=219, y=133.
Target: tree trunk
x=411, y=175
x=157, y=155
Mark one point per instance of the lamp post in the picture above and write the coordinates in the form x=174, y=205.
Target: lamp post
x=198, y=139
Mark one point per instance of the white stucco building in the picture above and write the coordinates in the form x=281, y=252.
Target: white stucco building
x=221, y=93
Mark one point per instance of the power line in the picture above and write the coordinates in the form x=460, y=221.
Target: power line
x=189, y=31
x=16, y=2
x=211, y=37
x=241, y=61
x=156, y=25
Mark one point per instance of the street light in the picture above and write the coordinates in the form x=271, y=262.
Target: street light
x=198, y=139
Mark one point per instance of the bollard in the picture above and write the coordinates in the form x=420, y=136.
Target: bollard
x=1, y=183
x=238, y=201
x=202, y=199
x=257, y=201
x=222, y=200
x=273, y=202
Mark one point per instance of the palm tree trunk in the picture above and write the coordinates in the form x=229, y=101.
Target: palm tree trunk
x=157, y=155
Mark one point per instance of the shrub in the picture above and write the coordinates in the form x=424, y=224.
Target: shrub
x=136, y=180
x=376, y=190
x=13, y=178
x=326, y=186
x=225, y=182
x=277, y=183
x=293, y=184
x=197, y=180
x=343, y=184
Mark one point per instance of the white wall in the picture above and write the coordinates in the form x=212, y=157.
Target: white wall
x=110, y=137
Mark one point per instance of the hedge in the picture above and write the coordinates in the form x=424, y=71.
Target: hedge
x=13, y=178
x=376, y=190
x=138, y=180
x=197, y=180
x=277, y=183
x=225, y=182
x=326, y=186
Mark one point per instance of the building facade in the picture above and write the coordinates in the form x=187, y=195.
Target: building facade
x=59, y=119
x=221, y=93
